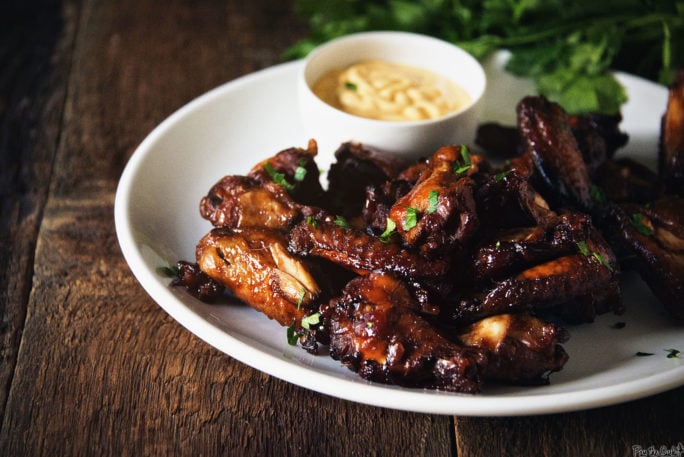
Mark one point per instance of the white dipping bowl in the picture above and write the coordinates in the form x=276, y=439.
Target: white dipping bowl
x=412, y=139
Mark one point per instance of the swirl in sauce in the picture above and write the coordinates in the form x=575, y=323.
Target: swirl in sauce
x=387, y=91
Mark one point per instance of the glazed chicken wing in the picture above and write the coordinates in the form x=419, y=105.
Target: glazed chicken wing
x=255, y=266
x=565, y=263
x=439, y=211
x=520, y=348
x=651, y=241
x=375, y=330
x=547, y=138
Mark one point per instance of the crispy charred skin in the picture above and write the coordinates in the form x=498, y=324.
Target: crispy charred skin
x=355, y=168
x=500, y=140
x=567, y=278
x=521, y=349
x=598, y=137
x=299, y=171
x=360, y=252
x=375, y=330
x=378, y=202
x=625, y=180
x=548, y=139
x=671, y=154
x=453, y=219
x=507, y=200
x=255, y=266
x=651, y=241
x=514, y=250
x=241, y=201
x=197, y=282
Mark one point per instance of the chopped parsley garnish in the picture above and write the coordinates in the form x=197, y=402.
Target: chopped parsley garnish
x=411, y=219
x=340, y=221
x=313, y=319
x=292, y=335
x=300, y=171
x=350, y=86
x=278, y=178
x=389, y=230
x=499, y=176
x=600, y=260
x=641, y=224
x=307, y=321
x=597, y=194
x=498, y=245
x=312, y=221
x=465, y=165
x=582, y=246
x=302, y=294
x=433, y=201
x=169, y=272
x=673, y=353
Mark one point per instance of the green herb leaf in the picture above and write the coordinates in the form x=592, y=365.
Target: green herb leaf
x=350, y=86
x=597, y=195
x=600, y=260
x=433, y=201
x=313, y=319
x=300, y=300
x=300, y=171
x=411, y=219
x=292, y=335
x=341, y=222
x=582, y=246
x=278, y=178
x=465, y=163
x=642, y=224
x=312, y=222
x=167, y=271
x=389, y=230
x=499, y=176
x=672, y=353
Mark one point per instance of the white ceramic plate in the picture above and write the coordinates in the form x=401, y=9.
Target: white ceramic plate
x=230, y=128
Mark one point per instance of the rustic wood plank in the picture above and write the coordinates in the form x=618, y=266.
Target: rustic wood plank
x=35, y=53
x=655, y=421
x=102, y=369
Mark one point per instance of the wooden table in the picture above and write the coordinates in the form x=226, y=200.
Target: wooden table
x=90, y=365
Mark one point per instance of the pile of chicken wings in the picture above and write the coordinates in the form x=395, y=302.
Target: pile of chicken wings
x=459, y=269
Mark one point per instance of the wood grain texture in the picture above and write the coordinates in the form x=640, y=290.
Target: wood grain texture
x=102, y=370
x=655, y=421
x=90, y=365
x=35, y=54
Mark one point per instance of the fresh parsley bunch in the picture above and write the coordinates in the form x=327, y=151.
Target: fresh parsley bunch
x=566, y=47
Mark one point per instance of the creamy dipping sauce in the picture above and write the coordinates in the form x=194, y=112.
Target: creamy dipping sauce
x=388, y=91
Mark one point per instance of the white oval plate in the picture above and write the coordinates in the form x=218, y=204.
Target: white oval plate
x=230, y=128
